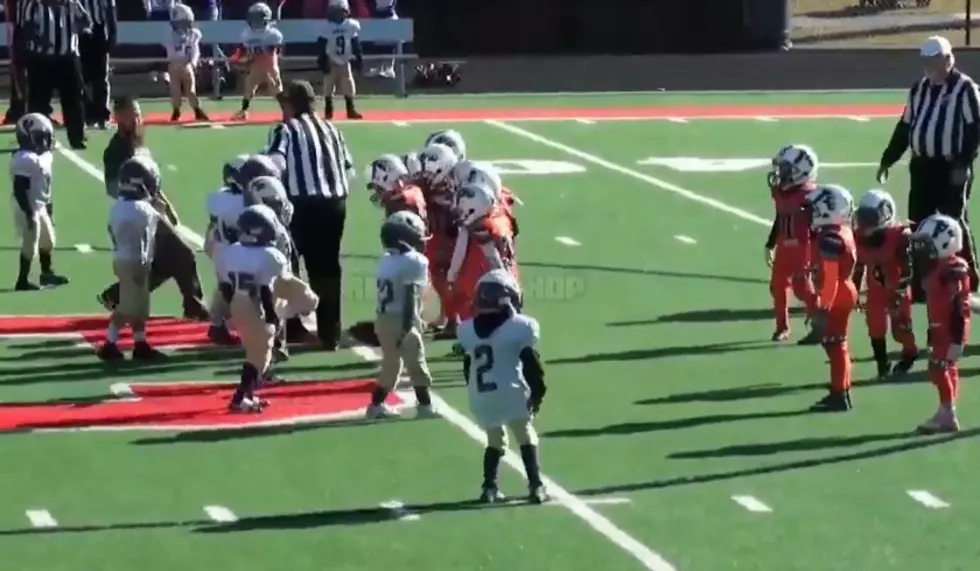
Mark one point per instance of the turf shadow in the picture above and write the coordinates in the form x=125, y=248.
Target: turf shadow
x=707, y=316
x=797, y=445
x=673, y=424
x=664, y=352
x=910, y=443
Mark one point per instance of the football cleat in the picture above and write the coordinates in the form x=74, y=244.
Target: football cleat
x=538, y=495
x=833, y=402
x=381, y=412
x=53, y=280
x=26, y=286
x=944, y=421
x=425, y=411
x=780, y=335
x=904, y=364
x=491, y=495
x=109, y=352
x=220, y=335
x=143, y=351
x=248, y=405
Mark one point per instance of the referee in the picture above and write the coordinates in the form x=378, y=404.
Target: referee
x=94, y=50
x=50, y=30
x=317, y=161
x=941, y=125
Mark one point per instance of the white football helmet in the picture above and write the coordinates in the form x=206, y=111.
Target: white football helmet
x=470, y=172
x=875, y=210
x=437, y=163
x=831, y=205
x=259, y=16
x=411, y=160
x=793, y=166
x=181, y=18
x=269, y=191
x=473, y=202
x=385, y=174
x=938, y=236
x=498, y=290
x=451, y=139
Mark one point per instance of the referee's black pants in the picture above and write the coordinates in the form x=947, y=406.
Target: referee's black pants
x=318, y=229
x=47, y=74
x=18, y=85
x=94, y=49
x=932, y=191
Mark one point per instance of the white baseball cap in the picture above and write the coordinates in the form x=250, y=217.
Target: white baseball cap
x=936, y=46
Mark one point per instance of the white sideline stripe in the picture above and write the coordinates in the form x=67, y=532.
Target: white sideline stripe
x=752, y=504
x=41, y=518
x=400, y=512
x=84, y=248
x=648, y=558
x=220, y=514
x=586, y=121
x=927, y=499
x=399, y=123
x=191, y=236
x=766, y=119
x=685, y=239
x=677, y=119
x=567, y=241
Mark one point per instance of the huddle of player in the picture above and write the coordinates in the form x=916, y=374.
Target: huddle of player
x=823, y=249
x=449, y=223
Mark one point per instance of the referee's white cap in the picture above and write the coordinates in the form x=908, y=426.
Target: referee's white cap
x=936, y=46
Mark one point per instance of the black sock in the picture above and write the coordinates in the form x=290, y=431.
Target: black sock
x=250, y=380
x=328, y=107
x=45, y=259
x=379, y=396
x=491, y=464
x=529, y=454
x=24, y=268
x=245, y=103
x=880, y=351
x=349, y=102
x=422, y=396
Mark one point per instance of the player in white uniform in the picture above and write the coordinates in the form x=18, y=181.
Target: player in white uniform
x=339, y=53
x=403, y=275
x=452, y=139
x=133, y=223
x=261, y=290
x=183, y=54
x=505, y=378
x=261, y=46
x=30, y=174
x=224, y=206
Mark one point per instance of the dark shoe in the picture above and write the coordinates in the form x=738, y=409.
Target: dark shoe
x=143, y=351
x=53, y=280
x=109, y=352
x=833, y=402
x=26, y=286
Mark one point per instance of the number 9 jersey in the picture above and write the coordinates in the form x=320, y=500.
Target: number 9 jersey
x=497, y=388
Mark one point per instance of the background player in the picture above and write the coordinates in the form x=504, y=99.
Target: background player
x=183, y=53
x=261, y=44
x=403, y=275
x=505, y=379
x=388, y=183
x=31, y=172
x=339, y=53
x=224, y=207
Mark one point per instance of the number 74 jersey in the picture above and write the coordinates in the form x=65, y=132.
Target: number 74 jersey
x=497, y=389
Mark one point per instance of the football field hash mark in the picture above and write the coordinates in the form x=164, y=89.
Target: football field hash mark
x=752, y=504
x=41, y=519
x=685, y=239
x=680, y=120
x=83, y=248
x=859, y=119
x=220, y=514
x=927, y=499
x=399, y=123
x=585, y=121
x=566, y=241
x=400, y=512
x=766, y=119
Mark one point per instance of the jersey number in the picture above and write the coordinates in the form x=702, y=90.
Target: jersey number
x=341, y=43
x=787, y=226
x=244, y=282
x=484, y=364
x=386, y=294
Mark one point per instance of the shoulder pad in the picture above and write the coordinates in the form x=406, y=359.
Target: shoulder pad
x=831, y=244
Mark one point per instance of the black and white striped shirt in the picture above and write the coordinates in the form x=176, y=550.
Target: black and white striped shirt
x=938, y=116
x=103, y=14
x=316, y=156
x=50, y=28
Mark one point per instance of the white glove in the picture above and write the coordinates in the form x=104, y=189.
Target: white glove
x=954, y=353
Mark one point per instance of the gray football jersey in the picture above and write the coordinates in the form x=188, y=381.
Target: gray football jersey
x=397, y=271
x=37, y=168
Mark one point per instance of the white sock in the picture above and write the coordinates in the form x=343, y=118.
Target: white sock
x=139, y=336
x=113, y=334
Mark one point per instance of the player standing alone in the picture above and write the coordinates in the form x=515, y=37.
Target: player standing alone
x=505, y=379
x=340, y=51
x=936, y=244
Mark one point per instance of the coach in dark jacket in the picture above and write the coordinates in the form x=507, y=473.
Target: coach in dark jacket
x=941, y=126
x=172, y=258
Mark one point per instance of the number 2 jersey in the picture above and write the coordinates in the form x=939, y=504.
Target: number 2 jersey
x=498, y=390
x=396, y=272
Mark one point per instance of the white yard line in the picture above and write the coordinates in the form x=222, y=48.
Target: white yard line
x=220, y=514
x=650, y=559
x=927, y=499
x=400, y=512
x=685, y=239
x=41, y=519
x=752, y=504
x=95, y=172
x=565, y=240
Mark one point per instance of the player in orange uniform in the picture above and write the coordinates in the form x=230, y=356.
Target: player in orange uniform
x=835, y=255
x=935, y=245
x=487, y=235
x=390, y=187
x=788, y=248
x=884, y=256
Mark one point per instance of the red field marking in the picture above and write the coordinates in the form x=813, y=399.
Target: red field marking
x=161, y=331
x=192, y=406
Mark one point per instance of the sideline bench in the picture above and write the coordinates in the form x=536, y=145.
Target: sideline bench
x=301, y=34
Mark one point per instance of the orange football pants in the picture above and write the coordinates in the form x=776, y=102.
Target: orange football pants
x=835, y=337
x=945, y=375
x=475, y=266
x=879, y=311
x=439, y=252
x=790, y=270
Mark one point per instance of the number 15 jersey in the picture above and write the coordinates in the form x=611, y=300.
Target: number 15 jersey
x=497, y=389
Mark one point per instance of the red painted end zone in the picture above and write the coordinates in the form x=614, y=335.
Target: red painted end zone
x=504, y=114
x=194, y=406
x=162, y=331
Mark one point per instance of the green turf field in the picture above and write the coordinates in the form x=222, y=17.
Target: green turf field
x=673, y=428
